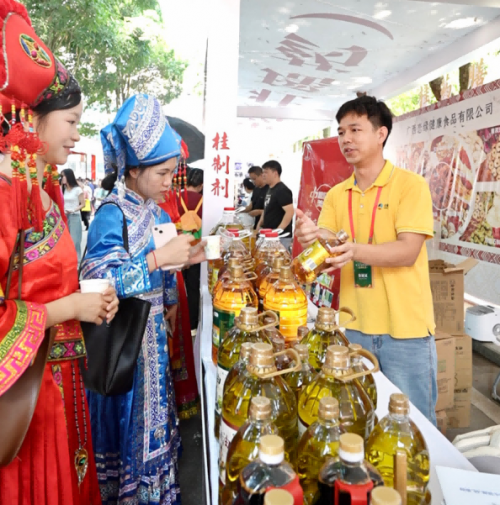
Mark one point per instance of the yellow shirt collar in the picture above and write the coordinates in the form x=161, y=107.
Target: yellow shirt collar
x=382, y=179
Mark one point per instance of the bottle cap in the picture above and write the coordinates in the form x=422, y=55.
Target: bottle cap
x=351, y=448
x=261, y=356
x=272, y=234
x=234, y=233
x=328, y=409
x=303, y=352
x=337, y=356
x=277, y=340
x=229, y=209
x=302, y=331
x=249, y=316
x=237, y=271
x=399, y=404
x=278, y=497
x=286, y=274
x=342, y=236
x=271, y=445
x=382, y=495
x=355, y=348
x=263, y=231
x=245, y=350
x=326, y=317
x=278, y=262
x=233, y=262
x=260, y=408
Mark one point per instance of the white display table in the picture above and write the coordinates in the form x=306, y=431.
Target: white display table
x=442, y=452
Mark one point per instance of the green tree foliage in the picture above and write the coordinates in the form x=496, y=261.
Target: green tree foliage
x=115, y=48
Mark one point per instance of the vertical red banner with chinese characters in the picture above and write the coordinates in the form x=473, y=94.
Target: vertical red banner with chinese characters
x=323, y=166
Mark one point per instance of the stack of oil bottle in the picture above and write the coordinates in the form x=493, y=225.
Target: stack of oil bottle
x=295, y=407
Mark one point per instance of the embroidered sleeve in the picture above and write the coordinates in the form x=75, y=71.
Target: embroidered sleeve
x=107, y=258
x=22, y=329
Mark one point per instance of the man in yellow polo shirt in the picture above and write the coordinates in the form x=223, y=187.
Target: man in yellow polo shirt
x=387, y=212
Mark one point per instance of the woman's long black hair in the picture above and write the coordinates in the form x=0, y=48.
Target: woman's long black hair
x=70, y=178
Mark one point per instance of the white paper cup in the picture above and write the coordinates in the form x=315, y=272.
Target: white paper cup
x=94, y=285
x=212, y=249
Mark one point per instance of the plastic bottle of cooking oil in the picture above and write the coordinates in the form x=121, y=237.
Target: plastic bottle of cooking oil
x=234, y=294
x=325, y=333
x=385, y=496
x=309, y=263
x=244, y=448
x=302, y=378
x=367, y=381
x=270, y=470
x=247, y=329
x=289, y=301
x=260, y=239
x=262, y=379
x=337, y=380
x=320, y=441
x=224, y=272
x=394, y=432
x=270, y=247
x=348, y=479
x=268, y=276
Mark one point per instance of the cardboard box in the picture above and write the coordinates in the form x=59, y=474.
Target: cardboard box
x=445, y=372
x=463, y=362
x=442, y=421
x=459, y=415
x=447, y=285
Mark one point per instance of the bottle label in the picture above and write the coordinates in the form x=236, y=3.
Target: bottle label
x=221, y=379
x=213, y=278
x=302, y=427
x=223, y=321
x=227, y=433
x=313, y=256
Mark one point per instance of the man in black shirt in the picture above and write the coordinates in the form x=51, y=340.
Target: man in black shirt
x=256, y=205
x=278, y=206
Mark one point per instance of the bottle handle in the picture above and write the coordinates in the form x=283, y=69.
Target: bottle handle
x=365, y=354
x=346, y=310
x=268, y=313
x=250, y=276
x=296, y=368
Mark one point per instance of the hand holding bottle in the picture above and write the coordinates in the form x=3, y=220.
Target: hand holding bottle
x=306, y=231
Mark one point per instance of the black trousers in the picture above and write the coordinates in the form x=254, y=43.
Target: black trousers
x=192, y=281
x=86, y=219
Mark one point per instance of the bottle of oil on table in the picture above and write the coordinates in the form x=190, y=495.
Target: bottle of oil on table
x=303, y=377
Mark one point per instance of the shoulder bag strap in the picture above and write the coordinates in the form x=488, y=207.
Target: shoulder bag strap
x=124, y=234
x=199, y=205
x=183, y=203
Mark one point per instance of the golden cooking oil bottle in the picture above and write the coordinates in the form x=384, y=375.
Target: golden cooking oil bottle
x=319, y=442
x=348, y=478
x=247, y=329
x=289, y=301
x=311, y=262
x=262, y=379
x=303, y=377
x=394, y=432
x=234, y=294
x=269, y=249
x=234, y=262
x=385, y=496
x=278, y=497
x=338, y=380
x=326, y=332
x=268, y=275
x=270, y=470
x=367, y=381
x=244, y=448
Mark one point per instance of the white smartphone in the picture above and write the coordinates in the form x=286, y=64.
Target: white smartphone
x=162, y=235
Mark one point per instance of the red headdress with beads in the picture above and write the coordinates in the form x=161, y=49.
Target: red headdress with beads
x=30, y=76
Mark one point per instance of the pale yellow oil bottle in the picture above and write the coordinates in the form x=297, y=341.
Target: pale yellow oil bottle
x=367, y=381
x=303, y=377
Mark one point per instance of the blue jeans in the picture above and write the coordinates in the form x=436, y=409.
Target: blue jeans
x=75, y=230
x=409, y=363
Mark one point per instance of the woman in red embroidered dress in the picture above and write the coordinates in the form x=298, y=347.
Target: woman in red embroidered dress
x=55, y=465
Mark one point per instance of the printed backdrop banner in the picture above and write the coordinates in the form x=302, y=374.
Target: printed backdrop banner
x=455, y=146
x=323, y=166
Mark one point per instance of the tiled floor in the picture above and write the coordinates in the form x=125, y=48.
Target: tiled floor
x=484, y=374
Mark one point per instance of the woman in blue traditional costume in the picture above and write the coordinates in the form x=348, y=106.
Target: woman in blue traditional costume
x=135, y=436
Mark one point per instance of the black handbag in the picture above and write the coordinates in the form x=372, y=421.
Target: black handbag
x=112, y=350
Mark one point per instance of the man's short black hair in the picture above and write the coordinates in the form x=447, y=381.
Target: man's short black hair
x=255, y=170
x=248, y=184
x=377, y=112
x=273, y=165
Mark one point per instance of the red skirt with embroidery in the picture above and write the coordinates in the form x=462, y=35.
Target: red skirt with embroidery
x=43, y=472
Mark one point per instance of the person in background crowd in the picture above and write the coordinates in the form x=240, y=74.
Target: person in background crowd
x=92, y=186
x=256, y=206
x=278, y=205
x=55, y=463
x=248, y=187
x=87, y=208
x=100, y=194
x=385, y=272
x=74, y=202
x=136, y=435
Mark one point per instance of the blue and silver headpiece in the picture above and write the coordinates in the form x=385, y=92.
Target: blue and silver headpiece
x=139, y=135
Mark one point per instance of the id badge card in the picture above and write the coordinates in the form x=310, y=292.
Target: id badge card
x=362, y=275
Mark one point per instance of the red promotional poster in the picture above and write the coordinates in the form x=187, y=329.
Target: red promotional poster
x=323, y=166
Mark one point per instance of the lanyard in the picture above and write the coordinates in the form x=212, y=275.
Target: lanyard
x=374, y=215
